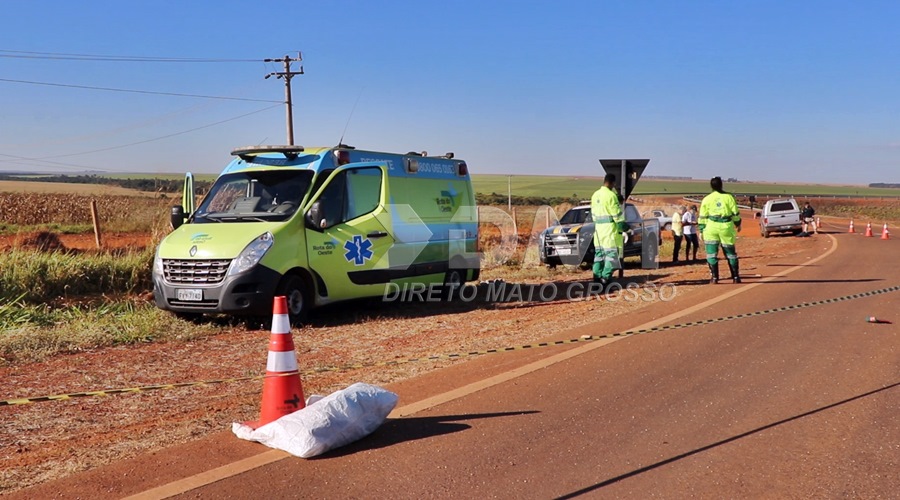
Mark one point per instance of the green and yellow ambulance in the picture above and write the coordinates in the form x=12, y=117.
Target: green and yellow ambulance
x=317, y=225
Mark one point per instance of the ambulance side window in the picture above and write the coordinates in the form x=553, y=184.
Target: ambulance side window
x=363, y=191
x=332, y=201
x=350, y=194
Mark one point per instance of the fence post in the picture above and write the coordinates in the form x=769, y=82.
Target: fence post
x=96, y=221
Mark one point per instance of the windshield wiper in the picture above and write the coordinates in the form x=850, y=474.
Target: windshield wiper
x=227, y=217
x=217, y=217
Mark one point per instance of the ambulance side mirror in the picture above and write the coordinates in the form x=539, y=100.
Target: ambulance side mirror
x=177, y=216
x=315, y=217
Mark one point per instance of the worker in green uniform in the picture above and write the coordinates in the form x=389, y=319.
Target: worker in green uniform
x=609, y=224
x=719, y=219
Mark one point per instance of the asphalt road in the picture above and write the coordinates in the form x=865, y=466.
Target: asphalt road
x=800, y=402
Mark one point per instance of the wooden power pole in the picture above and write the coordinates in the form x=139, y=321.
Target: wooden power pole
x=287, y=74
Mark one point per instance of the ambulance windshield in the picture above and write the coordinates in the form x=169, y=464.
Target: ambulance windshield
x=270, y=196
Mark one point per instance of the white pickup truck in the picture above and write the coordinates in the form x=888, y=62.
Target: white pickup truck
x=665, y=220
x=780, y=216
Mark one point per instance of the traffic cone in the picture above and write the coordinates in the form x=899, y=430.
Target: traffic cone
x=282, y=392
x=869, y=230
x=851, y=227
x=885, y=235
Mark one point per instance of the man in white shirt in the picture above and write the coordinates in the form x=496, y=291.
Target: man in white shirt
x=691, y=241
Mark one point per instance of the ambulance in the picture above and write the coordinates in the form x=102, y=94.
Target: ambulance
x=319, y=226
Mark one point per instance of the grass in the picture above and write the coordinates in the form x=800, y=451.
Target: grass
x=33, y=332
x=162, y=176
x=53, y=228
x=37, y=277
x=582, y=187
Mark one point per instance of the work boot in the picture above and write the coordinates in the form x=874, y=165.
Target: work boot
x=713, y=273
x=599, y=290
x=735, y=271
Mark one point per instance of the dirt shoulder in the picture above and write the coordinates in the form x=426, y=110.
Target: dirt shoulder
x=49, y=440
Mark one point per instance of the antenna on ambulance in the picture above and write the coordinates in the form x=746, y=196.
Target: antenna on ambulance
x=341, y=142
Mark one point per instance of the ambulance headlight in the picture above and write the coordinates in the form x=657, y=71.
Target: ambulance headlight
x=158, y=265
x=252, y=254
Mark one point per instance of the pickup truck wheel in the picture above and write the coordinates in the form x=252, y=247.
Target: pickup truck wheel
x=668, y=226
x=297, y=292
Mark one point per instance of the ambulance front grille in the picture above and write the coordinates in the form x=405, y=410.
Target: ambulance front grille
x=200, y=271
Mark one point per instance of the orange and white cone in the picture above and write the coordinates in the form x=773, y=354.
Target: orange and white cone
x=885, y=235
x=869, y=230
x=851, y=227
x=282, y=391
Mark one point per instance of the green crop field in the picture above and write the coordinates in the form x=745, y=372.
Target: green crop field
x=583, y=187
x=545, y=186
x=163, y=176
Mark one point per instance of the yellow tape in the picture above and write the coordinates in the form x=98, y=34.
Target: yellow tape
x=452, y=356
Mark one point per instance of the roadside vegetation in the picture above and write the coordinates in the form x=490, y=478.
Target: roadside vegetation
x=33, y=332
x=55, y=301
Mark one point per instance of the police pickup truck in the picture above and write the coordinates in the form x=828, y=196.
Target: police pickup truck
x=572, y=241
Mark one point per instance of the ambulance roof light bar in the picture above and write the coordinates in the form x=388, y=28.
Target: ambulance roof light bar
x=290, y=152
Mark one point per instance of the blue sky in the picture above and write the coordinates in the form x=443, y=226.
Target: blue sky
x=757, y=90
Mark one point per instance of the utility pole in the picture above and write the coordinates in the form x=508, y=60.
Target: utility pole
x=287, y=74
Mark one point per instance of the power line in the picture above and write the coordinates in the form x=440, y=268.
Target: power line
x=132, y=91
x=21, y=54
x=161, y=137
x=19, y=159
x=46, y=159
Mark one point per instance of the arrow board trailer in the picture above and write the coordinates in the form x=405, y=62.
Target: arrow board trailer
x=318, y=226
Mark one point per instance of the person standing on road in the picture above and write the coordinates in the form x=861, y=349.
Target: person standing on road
x=719, y=218
x=677, y=233
x=609, y=224
x=808, y=215
x=691, y=242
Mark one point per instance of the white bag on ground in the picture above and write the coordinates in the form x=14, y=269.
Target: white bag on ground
x=328, y=423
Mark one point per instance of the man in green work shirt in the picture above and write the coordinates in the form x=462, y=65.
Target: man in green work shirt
x=719, y=218
x=609, y=223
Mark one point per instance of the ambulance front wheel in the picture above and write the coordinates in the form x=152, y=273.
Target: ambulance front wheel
x=453, y=281
x=299, y=298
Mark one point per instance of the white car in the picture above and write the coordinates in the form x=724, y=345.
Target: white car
x=665, y=220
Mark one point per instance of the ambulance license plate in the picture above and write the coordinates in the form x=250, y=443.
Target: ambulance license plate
x=189, y=294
